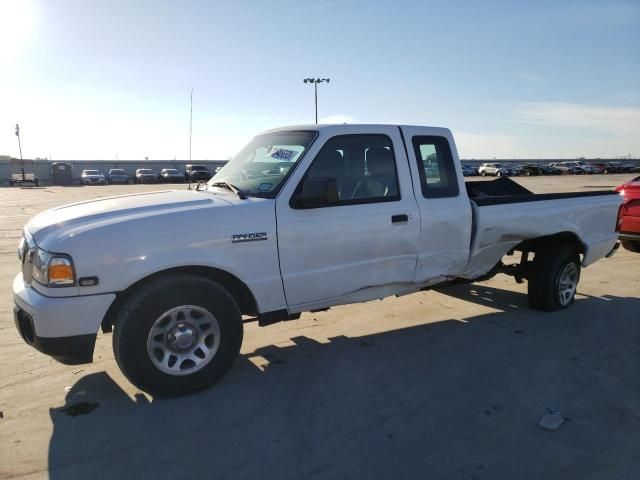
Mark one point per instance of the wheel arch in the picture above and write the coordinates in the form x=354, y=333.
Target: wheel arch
x=538, y=243
x=236, y=287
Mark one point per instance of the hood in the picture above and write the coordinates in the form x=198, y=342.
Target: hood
x=73, y=219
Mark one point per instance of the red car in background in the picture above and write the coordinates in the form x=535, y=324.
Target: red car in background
x=629, y=216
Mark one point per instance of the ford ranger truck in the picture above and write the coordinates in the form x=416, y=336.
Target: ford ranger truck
x=303, y=218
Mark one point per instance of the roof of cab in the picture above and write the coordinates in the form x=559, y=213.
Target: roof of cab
x=340, y=126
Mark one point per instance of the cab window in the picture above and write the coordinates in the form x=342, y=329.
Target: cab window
x=363, y=166
x=435, y=165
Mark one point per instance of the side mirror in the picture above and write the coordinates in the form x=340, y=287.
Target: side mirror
x=316, y=192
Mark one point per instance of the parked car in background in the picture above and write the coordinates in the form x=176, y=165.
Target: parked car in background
x=92, y=177
x=468, y=171
x=171, y=175
x=588, y=168
x=117, y=175
x=145, y=175
x=626, y=167
x=531, y=169
x=582, y=167
x=196, y=173
x=473, y=167
x=629, y=215
x=514, y=168
x=550, y=170
x=494, y=169
x=563, y=168
x=606, y=167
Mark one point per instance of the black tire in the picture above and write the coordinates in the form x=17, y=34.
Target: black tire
x=483, y=173
x=498, y=173
x=544, y=277
x=631, y=245
x=139, y=313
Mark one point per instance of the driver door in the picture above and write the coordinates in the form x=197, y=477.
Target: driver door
x=368, y=238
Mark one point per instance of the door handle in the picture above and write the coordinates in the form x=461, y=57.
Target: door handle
x=400, y=218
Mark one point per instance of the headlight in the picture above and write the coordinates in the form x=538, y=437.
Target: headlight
x=53, y=269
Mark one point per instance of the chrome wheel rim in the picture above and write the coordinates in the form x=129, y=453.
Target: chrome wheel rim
x=567, y=284
x=183, y=340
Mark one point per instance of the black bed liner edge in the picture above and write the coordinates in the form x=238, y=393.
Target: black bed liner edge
x=504, y=191
x=538, y=197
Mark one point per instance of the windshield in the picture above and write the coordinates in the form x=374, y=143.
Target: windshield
x=196, y=168
x=170, y=170
x=117, y=171
x=263, y=164
x=91, y=172
x=144, y=170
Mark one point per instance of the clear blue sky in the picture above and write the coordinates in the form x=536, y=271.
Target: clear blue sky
x=100, y=78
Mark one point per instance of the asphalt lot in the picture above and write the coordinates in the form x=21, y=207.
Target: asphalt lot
x=443, y=384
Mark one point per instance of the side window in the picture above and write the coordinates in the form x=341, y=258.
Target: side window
x=435, y=164
x=364, y=167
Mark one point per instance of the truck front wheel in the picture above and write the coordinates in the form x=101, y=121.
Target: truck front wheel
x=177, y=335
x=554, y=277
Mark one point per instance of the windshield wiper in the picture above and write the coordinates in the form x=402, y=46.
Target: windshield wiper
x=241, y=195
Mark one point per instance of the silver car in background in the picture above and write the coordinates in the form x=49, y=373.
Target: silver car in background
x=92, y=177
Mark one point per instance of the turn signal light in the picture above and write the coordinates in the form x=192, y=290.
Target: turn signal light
x=60, y=272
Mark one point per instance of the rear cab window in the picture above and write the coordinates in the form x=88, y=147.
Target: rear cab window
x=437, y=172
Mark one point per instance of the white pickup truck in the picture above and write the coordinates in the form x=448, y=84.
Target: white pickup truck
x=302, y=219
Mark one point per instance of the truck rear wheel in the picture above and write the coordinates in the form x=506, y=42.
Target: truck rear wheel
x=554, y=277
x=177, y=335
x=631, y=245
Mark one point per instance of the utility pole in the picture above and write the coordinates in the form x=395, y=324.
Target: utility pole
x=190, y=122
x=315, y=82
x=18, y=135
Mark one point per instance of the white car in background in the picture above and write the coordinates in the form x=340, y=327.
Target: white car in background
x=92, y=177
x=494, y=169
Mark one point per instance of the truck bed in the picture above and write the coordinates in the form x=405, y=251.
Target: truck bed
x=504, y=190
x=505, y=214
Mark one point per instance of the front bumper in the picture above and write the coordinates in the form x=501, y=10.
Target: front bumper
x=62, y=327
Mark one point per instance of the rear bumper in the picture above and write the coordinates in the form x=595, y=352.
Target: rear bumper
x=635, y=237
x=597, y=250
x=64, y=327
x=630, y=225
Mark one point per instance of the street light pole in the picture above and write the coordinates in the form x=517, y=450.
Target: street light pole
x=315, y=82
x=190, y=122
x=18, y=135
